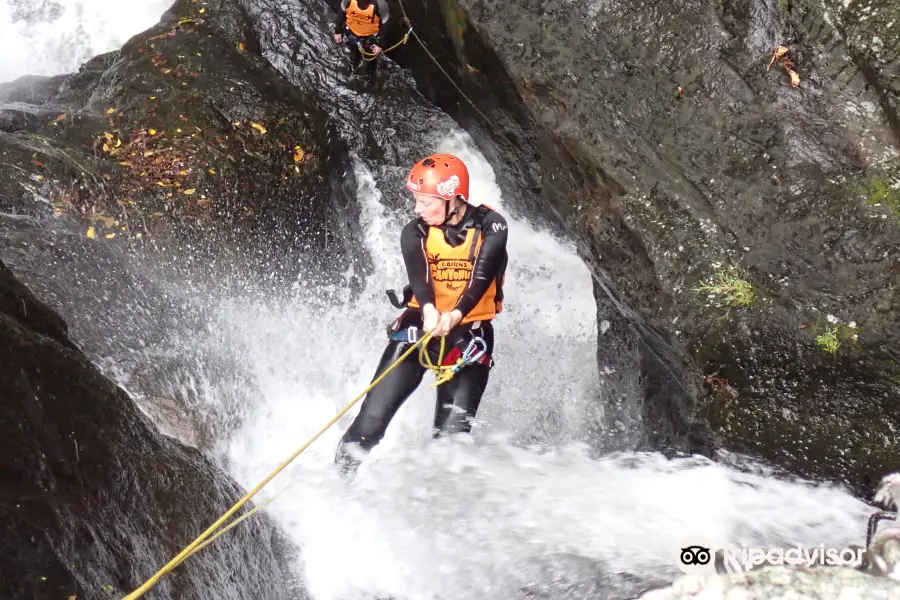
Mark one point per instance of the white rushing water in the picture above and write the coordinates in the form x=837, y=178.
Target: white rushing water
x=50, y=37
x=480, y=517
x=516, y=510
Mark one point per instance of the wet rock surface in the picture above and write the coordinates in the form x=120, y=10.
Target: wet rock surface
x=679, y=153
x=94, y=499
x=184, y=136
x=184, y=153
x=188, y=139
x=776, y=583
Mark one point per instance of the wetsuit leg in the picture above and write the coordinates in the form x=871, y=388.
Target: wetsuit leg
x=369, y=66
x=459, y=398
x=380, y=405
x=355, y=55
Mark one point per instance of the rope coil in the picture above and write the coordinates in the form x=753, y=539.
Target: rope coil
x=368, y=56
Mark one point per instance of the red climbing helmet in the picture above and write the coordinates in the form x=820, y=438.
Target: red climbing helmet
x=440, y=175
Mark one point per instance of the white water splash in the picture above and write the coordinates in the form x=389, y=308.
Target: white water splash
x=47, y=37
x=479, y=517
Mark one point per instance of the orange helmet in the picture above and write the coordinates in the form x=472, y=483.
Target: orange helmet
x=441, y=175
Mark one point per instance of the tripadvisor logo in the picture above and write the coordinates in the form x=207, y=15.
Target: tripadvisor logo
x=696, y=555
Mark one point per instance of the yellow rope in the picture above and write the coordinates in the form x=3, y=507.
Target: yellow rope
x=198, y=542
x=443, y=373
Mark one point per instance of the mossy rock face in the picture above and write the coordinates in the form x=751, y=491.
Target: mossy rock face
x=676, y=142
x=185, y=133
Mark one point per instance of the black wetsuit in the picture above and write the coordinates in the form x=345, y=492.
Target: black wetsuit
x=458, y=398
x=350, y=39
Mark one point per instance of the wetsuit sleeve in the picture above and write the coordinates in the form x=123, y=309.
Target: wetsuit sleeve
x=490, y=260
x=412, y=245
x=341, y=18
x=384, y=13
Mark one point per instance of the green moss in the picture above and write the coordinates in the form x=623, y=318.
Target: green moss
x=883, y=189
x=457, y=22
x=832, y=335
x=828, y=340
x=728, y=287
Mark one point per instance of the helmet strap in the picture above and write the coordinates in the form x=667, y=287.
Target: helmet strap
x=449, y=214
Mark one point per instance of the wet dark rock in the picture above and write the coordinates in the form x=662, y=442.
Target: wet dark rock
x=183, y=153
x=185, y=136
x=664, y=189
x=94, y=499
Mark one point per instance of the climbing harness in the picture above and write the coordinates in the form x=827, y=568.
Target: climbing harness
x=448, y=363
x=367, y=56
x=445, y=372
x=201, y=541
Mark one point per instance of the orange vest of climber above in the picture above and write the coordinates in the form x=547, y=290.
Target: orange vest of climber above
x=362, y=23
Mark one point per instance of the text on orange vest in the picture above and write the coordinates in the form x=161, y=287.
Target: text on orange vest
x=451, y=269
x=362, y=23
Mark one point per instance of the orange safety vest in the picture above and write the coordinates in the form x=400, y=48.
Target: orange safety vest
x=362, y=23
x=451, y=269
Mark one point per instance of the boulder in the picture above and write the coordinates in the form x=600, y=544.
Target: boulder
x=95, y=499
x=743, y=231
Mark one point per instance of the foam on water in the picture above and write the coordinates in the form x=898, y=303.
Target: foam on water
x=46, y=37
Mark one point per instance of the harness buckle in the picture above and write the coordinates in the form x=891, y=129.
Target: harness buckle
x=409, y=335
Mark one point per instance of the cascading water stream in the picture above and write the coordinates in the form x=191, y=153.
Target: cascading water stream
x=485, y=517
x=520, y=508
x=47, y=37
